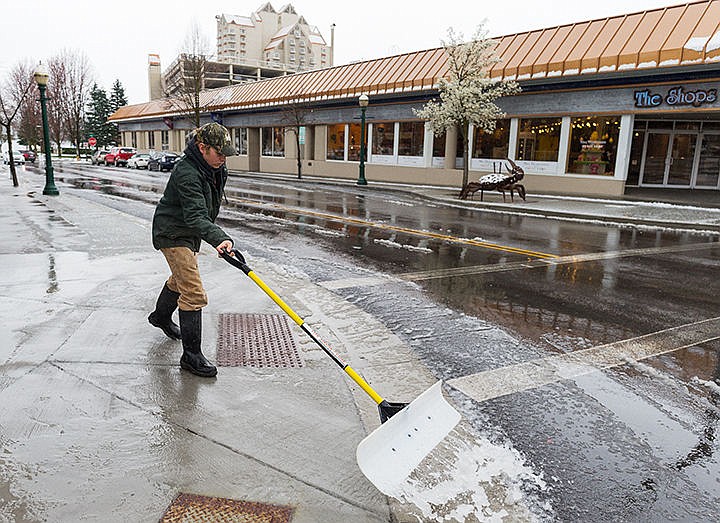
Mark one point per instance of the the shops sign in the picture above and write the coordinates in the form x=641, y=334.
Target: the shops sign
x=675, y=96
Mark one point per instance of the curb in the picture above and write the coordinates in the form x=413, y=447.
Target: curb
x=426, y=193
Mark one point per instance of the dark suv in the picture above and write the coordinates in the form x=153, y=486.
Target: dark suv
x=29, y=155
x=162, y=162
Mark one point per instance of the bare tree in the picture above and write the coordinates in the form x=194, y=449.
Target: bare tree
x=75, y=92
x=189, y=78
x=13, y=92
x=56, y=104
x=29, y=128
x=295, y=116
x=467, y=96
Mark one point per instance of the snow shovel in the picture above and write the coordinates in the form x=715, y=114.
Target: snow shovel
x=408, y=432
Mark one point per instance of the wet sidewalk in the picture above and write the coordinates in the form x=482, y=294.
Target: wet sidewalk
x=99, y=423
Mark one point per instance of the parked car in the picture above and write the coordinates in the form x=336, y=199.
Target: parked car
x=119, y=156
x=162, y=162
x=138, y=161
x=18, y=158
x=29, y=155
x=98, y=156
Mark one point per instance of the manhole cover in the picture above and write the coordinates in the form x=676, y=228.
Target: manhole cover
x=256, y=340
x=192, y=508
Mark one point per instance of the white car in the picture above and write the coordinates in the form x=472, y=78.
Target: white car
x=18, y=158
x=138, y=161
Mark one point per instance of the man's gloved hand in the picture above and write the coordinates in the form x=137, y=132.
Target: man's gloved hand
x=225, y=246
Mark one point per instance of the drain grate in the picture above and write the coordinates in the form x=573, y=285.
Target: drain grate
x=256, y=340
x=193, y=508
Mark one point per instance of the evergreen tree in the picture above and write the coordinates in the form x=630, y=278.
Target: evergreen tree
x=97, y=115
x=117, y=99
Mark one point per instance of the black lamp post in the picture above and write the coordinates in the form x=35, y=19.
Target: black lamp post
x=364, y=100
x=41, y=77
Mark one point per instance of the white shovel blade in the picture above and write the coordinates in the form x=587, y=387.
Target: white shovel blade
x=391, y=452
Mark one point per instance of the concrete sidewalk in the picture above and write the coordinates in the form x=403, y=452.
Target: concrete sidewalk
x=100, y=424
x=657, y=210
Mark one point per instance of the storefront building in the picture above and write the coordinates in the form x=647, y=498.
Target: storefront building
x=630, y=100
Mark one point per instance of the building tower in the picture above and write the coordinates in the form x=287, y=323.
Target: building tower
x=281, y=40
x=154, y=77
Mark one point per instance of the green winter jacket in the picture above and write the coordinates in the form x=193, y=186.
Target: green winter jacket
x=190, y=204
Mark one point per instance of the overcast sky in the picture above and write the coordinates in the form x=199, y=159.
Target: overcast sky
x=117, y=36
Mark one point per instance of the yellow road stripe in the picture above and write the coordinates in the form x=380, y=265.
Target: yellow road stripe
x=559, y=260
x=394, y=228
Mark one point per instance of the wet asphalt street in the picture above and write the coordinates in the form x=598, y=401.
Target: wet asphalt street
x=517, y=313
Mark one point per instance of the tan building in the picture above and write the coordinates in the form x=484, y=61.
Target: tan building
x=272, y=39
x=266, y=44
x=628, y=100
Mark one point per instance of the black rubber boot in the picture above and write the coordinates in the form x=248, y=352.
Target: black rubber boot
x=192, y=359
x=161, y=317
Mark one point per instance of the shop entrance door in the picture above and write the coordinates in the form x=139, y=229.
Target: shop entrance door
x=682, y=159
x=669, y=159
x=656, y=159
x=708, y=171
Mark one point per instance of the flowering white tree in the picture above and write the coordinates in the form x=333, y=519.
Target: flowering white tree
x=468, y=94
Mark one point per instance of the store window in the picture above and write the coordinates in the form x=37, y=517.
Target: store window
x=538, y=139
x=593, y=144
x=273, y=141
x=494, y=144
x=241, y=140
x=438, y=145
x=151, y=139
x=412, y=137
x=708, y=170
x=354, y=141
x=133, y=139
x=383, y=138
x=636, y=152
x=336, y=142
x=165, y=140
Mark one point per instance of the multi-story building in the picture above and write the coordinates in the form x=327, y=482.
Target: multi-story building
x=266, y=44
x=272, y=39
x=628, y=100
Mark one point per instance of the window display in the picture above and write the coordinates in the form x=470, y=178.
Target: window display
x=412, y=136
x=273, y=141
x=593, y=144
x=354, y=142
x=241, y=140
x=383, y=138
x=538, y=139
x=336, y=142
x=492, y=145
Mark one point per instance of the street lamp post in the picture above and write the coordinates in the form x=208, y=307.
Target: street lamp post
x=41, y=78
x=363, y=101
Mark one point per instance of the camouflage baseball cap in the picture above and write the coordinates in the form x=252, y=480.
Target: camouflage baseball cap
x=217, y=136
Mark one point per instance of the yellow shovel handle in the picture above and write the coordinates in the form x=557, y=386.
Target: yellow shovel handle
x=297, y=319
